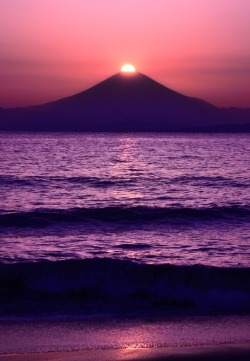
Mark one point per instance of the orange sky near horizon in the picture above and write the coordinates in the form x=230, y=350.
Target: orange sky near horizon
x=52, y=49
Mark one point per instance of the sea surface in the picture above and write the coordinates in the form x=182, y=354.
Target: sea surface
x=121, y=222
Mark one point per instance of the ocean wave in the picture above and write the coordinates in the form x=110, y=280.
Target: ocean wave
x=138, y=214
x=107, y=285
x=35, y=181
x=211, y=181
x=116, y=181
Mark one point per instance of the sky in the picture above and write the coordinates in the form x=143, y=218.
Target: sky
x=54, y=48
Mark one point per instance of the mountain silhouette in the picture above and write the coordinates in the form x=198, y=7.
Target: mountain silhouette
x=125, y=102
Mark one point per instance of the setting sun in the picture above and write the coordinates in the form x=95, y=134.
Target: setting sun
x=128, y=68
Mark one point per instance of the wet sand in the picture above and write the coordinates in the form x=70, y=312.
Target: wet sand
x=232, y=352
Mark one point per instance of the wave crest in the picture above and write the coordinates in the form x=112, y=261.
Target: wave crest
x=108, y=285
x=44, y=217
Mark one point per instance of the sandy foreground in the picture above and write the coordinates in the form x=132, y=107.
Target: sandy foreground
x=188, y=338
x=239, y=352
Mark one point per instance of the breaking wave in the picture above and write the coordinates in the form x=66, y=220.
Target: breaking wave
x=92, y=286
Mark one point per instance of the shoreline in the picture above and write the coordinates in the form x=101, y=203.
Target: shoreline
x=227, y=352
x=151, y=336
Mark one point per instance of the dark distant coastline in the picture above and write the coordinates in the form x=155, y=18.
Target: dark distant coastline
x=126, y=103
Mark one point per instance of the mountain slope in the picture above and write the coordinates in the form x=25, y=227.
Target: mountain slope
x=121, y=103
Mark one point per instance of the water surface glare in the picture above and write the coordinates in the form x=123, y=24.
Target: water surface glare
x=153, y=198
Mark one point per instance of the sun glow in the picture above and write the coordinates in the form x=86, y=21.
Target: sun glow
x=128, y=68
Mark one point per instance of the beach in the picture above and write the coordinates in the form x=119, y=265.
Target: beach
x=106, y=338
x=239, y=352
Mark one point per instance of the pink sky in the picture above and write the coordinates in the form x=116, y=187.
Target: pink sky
x=54, y=48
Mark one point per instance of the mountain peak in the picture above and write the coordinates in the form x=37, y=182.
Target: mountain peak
x=131, y=81
x=128, y=87
x=123, y=102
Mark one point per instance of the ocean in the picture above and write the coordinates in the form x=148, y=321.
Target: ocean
x=101, y=223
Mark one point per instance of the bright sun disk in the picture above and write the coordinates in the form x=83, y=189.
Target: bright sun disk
x=128, y=68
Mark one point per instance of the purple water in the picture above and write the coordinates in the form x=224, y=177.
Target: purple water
x=153, y=198
x=132, y=222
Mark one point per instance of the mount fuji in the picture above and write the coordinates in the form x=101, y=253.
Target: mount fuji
x=126, y=103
